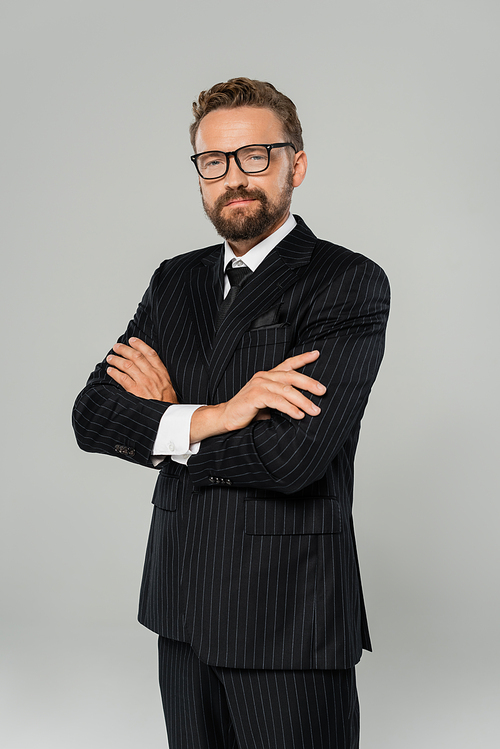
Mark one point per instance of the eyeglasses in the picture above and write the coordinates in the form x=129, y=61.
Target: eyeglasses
x=250, y=159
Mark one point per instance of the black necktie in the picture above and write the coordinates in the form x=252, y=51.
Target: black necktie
x=237, y=277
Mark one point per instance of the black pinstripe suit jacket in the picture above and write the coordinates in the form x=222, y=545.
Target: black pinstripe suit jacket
x=251, y=556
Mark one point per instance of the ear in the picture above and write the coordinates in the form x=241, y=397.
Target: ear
x=299, y=168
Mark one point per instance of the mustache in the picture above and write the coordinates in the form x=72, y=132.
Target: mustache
x=240, y=194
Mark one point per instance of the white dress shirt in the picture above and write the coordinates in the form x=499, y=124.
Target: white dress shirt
x=175, y=424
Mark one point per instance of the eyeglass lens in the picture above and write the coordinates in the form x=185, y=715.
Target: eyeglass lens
x=251, y=159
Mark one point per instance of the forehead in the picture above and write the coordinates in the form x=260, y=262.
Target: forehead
x=228, y=129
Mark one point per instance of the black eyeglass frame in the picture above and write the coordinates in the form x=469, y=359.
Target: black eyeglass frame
x=228, y=154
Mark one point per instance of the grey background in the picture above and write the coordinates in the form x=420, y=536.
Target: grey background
x=400, y=108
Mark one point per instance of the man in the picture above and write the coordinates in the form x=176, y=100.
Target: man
x=243, y=377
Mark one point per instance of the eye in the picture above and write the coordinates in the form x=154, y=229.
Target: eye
x=212, y=161
x=254, y=157
x=256, y=154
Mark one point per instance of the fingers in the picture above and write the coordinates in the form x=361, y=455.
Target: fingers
x=298, y=361
x=145, y=350
x=121, y=361
x=140, y=371
x=286, y=373
x=283, y=393
x=300, y=381
x=279, y=388
x=137, y=359
x=130, y=381
x=117, y=376
x=121, y=378
x=138, y=354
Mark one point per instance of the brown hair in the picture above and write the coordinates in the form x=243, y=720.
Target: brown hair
x=244, y=92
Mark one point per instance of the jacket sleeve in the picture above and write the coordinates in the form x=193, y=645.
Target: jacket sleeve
x=346, y=322
x=106, y=418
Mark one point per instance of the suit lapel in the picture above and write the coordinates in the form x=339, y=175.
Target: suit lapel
x=206, y=295
x=281, y=268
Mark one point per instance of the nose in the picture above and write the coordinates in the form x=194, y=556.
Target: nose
x=235, y=177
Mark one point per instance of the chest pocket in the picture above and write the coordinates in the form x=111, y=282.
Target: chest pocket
x=261, y=349
x=282, y=517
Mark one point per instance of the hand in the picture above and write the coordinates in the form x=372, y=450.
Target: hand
x=140, y=371
x=277, y=389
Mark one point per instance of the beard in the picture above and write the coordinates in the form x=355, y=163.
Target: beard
x=241, y=226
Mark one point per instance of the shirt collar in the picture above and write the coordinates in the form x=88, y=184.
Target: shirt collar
x=253, y=258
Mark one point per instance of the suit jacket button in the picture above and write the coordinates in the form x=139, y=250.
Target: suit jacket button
x=229, y=482
x=211, y=479
x=130, y=452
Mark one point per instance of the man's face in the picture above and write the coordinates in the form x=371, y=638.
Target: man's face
x=246, y=208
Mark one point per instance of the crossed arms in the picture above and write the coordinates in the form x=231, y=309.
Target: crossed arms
x=140, y=371
x=283, y=428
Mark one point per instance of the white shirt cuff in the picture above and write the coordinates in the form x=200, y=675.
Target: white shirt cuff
x=173, y=435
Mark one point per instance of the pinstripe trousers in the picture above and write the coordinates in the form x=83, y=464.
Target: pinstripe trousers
x=210, y=707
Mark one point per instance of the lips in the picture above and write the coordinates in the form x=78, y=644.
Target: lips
x=241, y=198
x=240, y=201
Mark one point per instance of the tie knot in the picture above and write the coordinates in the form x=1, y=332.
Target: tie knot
x=237, y=276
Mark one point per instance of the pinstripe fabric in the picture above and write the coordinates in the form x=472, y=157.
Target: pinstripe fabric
x=251, y=557
x=208, y=707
